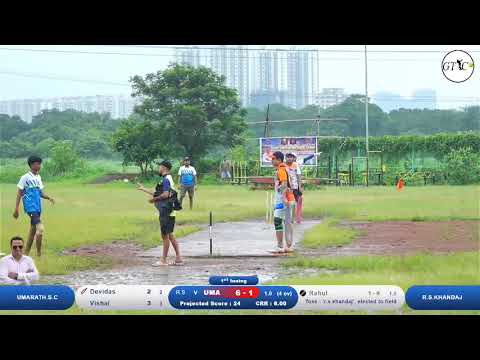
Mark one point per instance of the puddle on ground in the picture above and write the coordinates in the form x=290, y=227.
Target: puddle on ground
x=196, y=272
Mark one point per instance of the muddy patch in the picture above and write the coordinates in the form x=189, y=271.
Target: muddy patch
x=195, y=271
x=407, y=238
x=238, y=249
x=246, y=254
x=121, y=253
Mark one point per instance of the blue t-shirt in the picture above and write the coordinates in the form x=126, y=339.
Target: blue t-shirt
x=187, y=175
x=32, y=186
x=161, y=187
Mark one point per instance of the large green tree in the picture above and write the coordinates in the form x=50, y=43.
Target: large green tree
x=140, y=143
x=194, y=108
x=353, y=109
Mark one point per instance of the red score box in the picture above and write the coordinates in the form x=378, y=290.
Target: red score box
x=244, y=292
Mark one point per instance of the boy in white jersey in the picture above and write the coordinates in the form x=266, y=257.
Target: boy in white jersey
x=30, y=190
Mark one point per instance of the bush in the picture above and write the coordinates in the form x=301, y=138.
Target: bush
x=64, y=160
x=462, y=166
x=210, y=179
x=204, y=166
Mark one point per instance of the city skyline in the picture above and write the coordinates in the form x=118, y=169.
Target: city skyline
x=295, y=74
x=69, y=71
x=118, y=106
x=122, y=105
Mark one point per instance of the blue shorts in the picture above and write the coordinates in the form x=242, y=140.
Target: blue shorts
x=34, y=218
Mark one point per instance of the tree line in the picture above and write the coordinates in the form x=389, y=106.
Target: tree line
x=190, y=111
x=89, y=133
x=397, y=122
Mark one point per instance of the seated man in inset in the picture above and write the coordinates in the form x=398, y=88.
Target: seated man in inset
x=17, y=269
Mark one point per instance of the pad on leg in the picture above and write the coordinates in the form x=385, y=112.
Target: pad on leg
x=278, y=223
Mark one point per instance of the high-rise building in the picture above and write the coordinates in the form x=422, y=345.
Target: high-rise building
x=120, y=106
x=22, y=108
x=266, y=81
x=126, y=105
x=106, y=104
x=330, y=97
x=218, y=59
x=230, y=61
x=5, y=107
x=189, y=56
x=301, y=78
x=266, y=75
x=233, y=63
x=238, y=72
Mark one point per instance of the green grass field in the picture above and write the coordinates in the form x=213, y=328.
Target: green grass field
x=92, y=214
x=327, y=234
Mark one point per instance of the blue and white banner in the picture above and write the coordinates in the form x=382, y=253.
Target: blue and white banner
x=305, y=148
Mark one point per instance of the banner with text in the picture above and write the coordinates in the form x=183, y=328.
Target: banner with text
x=305, y=148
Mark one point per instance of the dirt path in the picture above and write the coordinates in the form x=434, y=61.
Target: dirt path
x=241, y=248
x=407, y=238
x=235, y=239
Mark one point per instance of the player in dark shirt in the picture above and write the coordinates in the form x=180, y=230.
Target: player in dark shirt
x=160, y=198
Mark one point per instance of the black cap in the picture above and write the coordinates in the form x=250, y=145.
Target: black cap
x=186, y=158
x=167, y=164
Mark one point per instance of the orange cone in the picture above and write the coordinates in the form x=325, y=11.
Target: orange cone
x=400, y=184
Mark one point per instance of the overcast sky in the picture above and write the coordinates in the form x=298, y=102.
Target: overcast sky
x=39, y=74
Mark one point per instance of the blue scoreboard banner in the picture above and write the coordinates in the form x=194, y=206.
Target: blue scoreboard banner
x=237, y=293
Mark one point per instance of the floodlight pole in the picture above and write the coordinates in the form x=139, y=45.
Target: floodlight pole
x=366, y=102
x=366, y=112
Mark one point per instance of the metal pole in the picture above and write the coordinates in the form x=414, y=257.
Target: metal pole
x=353, y=174
x=366, y=101
x=366, y=111
x=271, y=207
x=210, y=231
x=266, y=207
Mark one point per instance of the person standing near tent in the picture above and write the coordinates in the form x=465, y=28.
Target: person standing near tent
x=282, y=216
x=187, y=177
x=295, y=178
